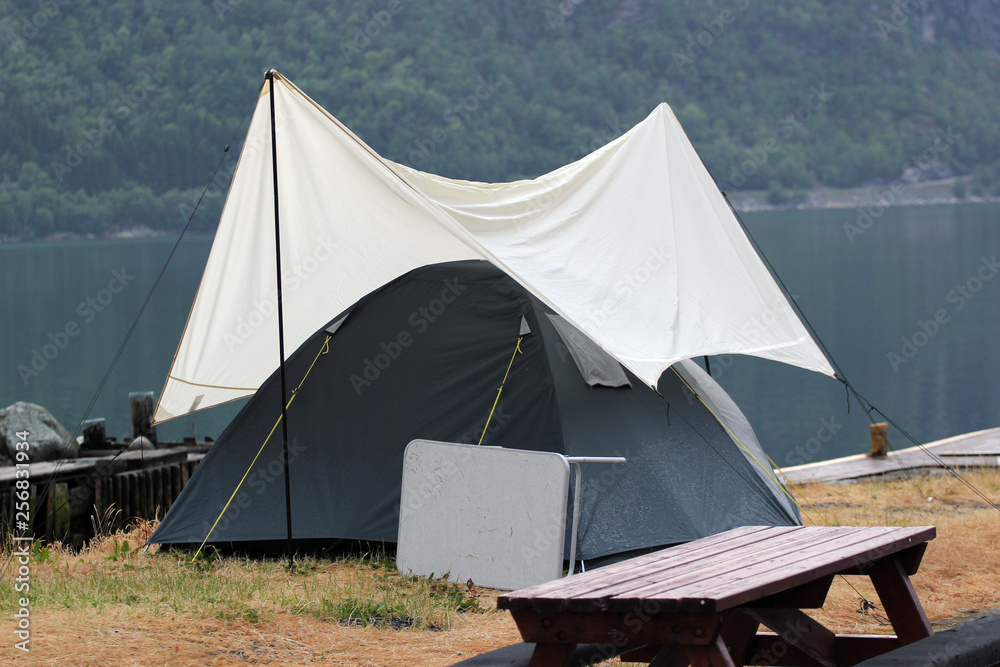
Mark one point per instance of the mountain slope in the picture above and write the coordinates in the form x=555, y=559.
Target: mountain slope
x=115, y=113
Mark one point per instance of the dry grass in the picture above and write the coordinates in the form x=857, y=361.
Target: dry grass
x=959, y=574
x=111, y=605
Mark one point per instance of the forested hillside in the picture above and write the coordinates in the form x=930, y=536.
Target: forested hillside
x=113, y=113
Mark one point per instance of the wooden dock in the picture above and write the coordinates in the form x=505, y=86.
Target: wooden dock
x=980, y=449
x=65, y=495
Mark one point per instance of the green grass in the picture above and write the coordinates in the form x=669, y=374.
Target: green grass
x=113, y=571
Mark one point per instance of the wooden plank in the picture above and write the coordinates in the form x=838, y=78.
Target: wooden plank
x=41, y=472
x=166, y=489
x=622, y=629
x=909, y=557
x=175, y=483
x=146, y=458
x=155, y=491
x=900, y=601
x=625, y=570
x=114, y=497
x=859, y=466
x=847, y=548
x=136, y=487
x=98, y=498
x=738, y=632
x=552, y=655
x=128, y=509
x=706, y=565
x=116, y=494
x=49, y=516
x=145, y=497
x=149, y=490
x=912, y=557
x=646, y=653
x=770, y=575
x=792, y=558
x=60, y=511
x=6, y=506
x=919, y=535
x=714, y=563
x=158, y=501
x=107, y=497
x=119, y=492
x=156, y=488
x=65, y=469
x=138, y=494
x=698, y=589
x=34, y=508
x=810, y=595
x=7, y=511
x=801, y=631
x=585, y=591
x=713, y=655
x=126, y=496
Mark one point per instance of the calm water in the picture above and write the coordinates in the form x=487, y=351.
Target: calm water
x=863, y=297
x=50, y=289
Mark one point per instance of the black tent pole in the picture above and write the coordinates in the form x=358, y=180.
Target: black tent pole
x=281, y=327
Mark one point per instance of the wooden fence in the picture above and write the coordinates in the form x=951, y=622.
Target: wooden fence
x=69, y=499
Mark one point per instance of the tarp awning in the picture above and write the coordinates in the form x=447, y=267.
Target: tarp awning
x=633, y=245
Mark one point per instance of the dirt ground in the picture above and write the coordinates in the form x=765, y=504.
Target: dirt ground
x=124, y=638
x=959, y=577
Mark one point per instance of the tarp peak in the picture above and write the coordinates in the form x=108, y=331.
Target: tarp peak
x=634, y=245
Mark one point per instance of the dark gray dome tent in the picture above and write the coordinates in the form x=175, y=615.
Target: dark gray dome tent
x=423, y=357
x=417, y=287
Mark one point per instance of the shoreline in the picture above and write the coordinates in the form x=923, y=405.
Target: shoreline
x=897, y=193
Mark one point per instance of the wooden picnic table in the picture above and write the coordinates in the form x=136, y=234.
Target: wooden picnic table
x=703, y=602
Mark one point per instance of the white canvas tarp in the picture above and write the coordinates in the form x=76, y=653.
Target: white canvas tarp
x=633, y=244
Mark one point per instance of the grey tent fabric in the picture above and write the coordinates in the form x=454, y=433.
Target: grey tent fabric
x=722, y=405
x=422, y=358
x=332, y=329
x=596, y=366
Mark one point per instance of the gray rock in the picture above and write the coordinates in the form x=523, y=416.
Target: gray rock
x=142, y=442
x=47, y=439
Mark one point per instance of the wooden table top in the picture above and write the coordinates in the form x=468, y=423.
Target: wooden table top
x=725, y=570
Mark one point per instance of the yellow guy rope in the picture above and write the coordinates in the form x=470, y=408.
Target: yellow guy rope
x=769, y=473
x=322, y=350
x=797, y=490
x=517, y=349
x=733, y=436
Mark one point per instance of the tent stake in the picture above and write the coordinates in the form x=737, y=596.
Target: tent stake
x=281, y=327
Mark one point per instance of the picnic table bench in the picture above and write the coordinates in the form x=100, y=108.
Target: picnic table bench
x=702, y=603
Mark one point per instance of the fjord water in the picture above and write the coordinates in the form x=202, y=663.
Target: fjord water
x=95, y=289
x=919, y=283
x=909, y=308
